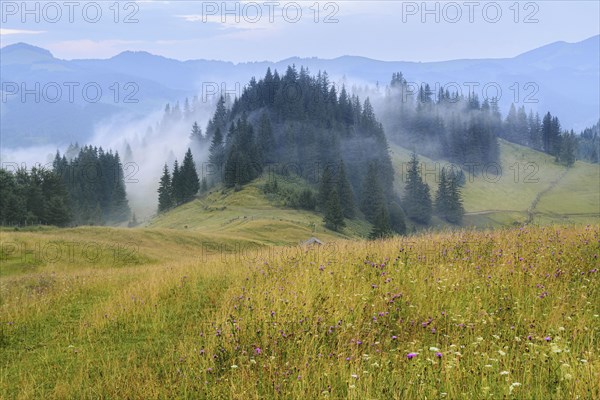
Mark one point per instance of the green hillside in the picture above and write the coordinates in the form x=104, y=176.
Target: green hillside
x=249, y=215
x=530, y=188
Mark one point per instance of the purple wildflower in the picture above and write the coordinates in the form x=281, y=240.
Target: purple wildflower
x=410, y=356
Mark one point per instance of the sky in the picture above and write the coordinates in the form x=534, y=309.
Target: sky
x=276, y=30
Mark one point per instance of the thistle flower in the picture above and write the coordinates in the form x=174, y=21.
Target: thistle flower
x=410, y=356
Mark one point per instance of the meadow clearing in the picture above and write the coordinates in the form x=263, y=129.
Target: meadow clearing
x=161, y=313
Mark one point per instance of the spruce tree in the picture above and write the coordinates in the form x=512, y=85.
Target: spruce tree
x=177, y=191
x=266, y=140
x=325, y=188
x=397, y=220
x=189, y=177
x=119, y=206
x=345, y=192
x=216, y=156
x=334, y=218
x=455, y=210
x=381, y=225
x=417, y=199
x=196, y=134
x=373, y=197
x=568, y=149
x=165, y=200
x=441, y=197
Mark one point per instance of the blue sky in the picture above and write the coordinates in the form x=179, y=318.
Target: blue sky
x=262, y=30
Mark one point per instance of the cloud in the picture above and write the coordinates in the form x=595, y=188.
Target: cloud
x=6, y=31
x=227, y=22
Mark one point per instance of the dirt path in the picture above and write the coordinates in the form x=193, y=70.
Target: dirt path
x=536, y=200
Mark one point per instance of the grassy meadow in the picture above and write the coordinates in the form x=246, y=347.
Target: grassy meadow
x=163, y=313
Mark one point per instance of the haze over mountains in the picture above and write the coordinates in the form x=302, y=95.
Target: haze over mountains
x=561, y=77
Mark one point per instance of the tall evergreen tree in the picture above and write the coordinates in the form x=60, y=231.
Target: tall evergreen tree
x=455, y=210
x=196, y=134
x=568, y=149
x=417, y=199
x=373, y=197
x=189, y=177
x=441, y=203
x=448, y=201
x=334, y=218
x=165, y=200
x=381, y=225
x=266, y=140
x=326, y=187
x=177, y=189
x=119, y=207
x=345, y=192
x=216, y=155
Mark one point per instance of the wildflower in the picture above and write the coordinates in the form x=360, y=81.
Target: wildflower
x=547, y=338
x=410, y=356
x=504, y=373
x=434, y=349
x=394, y=337
x=438, y=354
x=234, y=366
x=354, y=376
x=257, y=350
x=513, y=386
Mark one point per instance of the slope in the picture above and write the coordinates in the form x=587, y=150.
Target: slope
x=524, y=180
x=248, y=215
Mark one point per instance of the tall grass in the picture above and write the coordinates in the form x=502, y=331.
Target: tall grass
x=474, y=315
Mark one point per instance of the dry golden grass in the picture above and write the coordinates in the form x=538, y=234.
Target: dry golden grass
x=495, y=314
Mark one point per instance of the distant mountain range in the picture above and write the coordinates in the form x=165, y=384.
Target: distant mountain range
x=563, y=78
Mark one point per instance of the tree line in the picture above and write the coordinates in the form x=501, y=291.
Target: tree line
x=87, y=189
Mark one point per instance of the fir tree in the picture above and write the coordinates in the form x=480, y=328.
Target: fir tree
x=165, y=200
x=266, y=140
x=325, y=188
x=177, y=191
x=397, y=220
x=334, y=218
x=189, y=177
x=417, y=200
x=373, y=198
x=381, y=225
x=345, y=192
x=441, y=197
x=196, y=134
x=216, y=156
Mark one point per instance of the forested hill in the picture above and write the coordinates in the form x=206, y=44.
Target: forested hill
x=302, y=122
x=298, y=123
